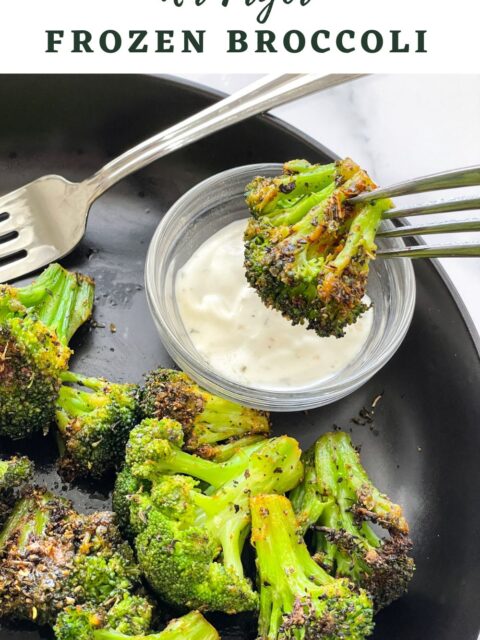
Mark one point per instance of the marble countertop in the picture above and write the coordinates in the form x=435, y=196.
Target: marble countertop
x=397, y=127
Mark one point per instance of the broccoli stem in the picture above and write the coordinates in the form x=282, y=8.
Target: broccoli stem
x=361, y=233
x=96, y=384
x=220, y=420
x=276, y=535
x=313, y=178
x=192, y=626
x=61, y=300
x=215, y=473
x=299, y=211
x=75, y=402
x=30, y=516
x=336, y=459
x=225, y=451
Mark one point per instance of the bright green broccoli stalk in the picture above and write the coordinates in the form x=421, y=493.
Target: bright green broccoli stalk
x=81, y=624
x=339, y=500
x=307, y=249
x=52, y=558
x=36, y=325
x=189, y=541
x=208, y=420
x=150, y=454
x=93, y=422
x=298, y=599
x=14, y=474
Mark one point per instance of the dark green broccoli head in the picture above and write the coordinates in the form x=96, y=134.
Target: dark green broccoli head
x=36, y=324
x=189, y=542
x=68, y=559
x=307, y=249
x=207, y=419
x=339, y=500
x=298, y=599
x=80, y=624
x=94, y=422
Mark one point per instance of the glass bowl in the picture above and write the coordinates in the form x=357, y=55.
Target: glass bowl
x=215, y=203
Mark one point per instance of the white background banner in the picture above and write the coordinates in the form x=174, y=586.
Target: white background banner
x=157, y=36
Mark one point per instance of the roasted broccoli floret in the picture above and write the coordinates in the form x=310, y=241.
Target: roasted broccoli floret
x=126, y=483
x=151, y=455
x=298, y=599
x=339, y=500
x=126, y=486
x=36, y=325
x=14, y=474
x=189, y=541
x=208, y=420
x=52, y=558
x=93, y=422
x=307, y=249
x=81, y=624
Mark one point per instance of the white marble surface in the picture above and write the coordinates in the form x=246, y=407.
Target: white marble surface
x=397, y=127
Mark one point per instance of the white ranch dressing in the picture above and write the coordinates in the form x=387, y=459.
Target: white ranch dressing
x=242, y=339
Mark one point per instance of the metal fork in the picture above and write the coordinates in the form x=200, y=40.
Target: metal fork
x=44, y=220
x=466, y=177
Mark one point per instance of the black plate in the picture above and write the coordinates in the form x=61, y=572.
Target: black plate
x=424, y=447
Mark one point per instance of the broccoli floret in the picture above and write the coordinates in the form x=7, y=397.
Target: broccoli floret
x=149, y=455
x=338, y=499
x=298, y=599
x=81, y=624
x=14, y=474
x=307, y=249
x=207, y=419
x=129, y=617
x=126, y=486
x=36, y=325
x=126, y=483
x=93, y=424
x=66, y=559
x=189, y=542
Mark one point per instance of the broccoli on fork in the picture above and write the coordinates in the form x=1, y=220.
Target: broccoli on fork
x=189, y=541
x=338, y=499
x=93, y=422
x=298, y=599
x=36, y=325
x=211, y=424
x=307, y=249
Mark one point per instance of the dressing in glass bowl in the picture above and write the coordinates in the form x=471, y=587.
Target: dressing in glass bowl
x=239, y=336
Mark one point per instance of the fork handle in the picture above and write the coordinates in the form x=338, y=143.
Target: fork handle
x=261, y=96
x=440, y=251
